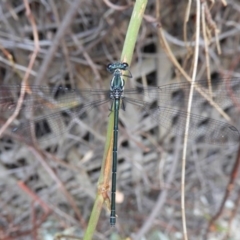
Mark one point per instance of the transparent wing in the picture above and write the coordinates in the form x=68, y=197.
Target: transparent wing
x=38, y=97
x=52, y=125
x=201, y=129
x=46, y=105
x=222, y=91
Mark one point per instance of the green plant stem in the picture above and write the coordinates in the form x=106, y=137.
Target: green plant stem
x=104, y=179
x=133, y=29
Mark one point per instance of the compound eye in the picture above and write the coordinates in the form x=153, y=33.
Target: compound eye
x=125, y=65
x=110, y=67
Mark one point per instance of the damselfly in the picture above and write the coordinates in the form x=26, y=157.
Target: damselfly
x=75, y=103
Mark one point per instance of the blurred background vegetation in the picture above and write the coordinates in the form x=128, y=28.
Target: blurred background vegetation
x=51, y=188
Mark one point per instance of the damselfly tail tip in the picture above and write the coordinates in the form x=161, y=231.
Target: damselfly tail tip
x=112, y=221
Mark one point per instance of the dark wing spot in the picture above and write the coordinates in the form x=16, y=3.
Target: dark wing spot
x=233, y=128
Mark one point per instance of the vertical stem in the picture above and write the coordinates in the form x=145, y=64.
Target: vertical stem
x=127, y=52
x=133, y=29
x=184, y=225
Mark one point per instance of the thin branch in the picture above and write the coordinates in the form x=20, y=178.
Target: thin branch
x=198, y=13
x=188, y=78
x=206, y=48
x=229, y=189
x=162, y=197
x=60, y=184
x=30, y=67
x=74, y=7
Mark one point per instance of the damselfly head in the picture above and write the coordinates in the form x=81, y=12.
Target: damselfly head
x=111, y=67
